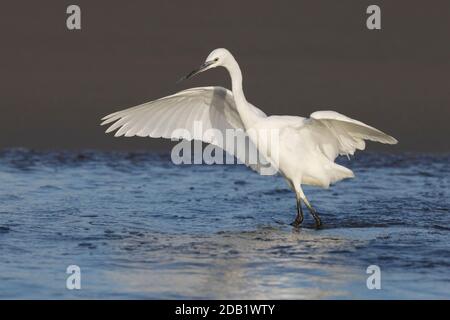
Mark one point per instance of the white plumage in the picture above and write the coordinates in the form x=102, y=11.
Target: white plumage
x=306, y=149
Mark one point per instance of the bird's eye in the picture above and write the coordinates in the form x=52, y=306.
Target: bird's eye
x=216, y=59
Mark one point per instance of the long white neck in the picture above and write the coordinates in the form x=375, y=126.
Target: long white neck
x=246, y=111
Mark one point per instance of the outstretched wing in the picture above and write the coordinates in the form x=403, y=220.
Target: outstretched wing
x=214, y=107
x=341, y=135
x=188, y=115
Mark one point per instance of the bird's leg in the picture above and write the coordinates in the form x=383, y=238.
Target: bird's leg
x=299, y=218
x=313, y=213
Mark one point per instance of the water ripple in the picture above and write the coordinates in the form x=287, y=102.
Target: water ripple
x=145, y=228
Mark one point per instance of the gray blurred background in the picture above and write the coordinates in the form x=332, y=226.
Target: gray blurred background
x=296, y=56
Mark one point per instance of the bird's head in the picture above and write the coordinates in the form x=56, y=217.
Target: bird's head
x=216, y=58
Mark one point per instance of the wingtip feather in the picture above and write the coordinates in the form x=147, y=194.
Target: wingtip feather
x=391, y=140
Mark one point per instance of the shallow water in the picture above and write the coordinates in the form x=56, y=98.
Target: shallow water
x=140, y=227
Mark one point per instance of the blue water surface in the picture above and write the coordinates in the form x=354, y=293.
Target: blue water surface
x=141, y=227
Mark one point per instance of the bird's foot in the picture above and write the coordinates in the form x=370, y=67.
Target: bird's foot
x=297, y=222
x=317, y=220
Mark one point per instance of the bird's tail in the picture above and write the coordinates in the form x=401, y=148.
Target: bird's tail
x=337, y=173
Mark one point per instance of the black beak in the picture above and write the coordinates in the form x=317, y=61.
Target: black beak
x=196, y=71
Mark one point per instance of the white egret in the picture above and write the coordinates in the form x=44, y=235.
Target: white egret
x=307, y=146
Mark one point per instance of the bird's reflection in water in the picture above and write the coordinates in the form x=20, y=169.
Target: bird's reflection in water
x=267, y=263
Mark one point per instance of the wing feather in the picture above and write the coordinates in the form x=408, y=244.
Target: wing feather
x=213, y=107
x=344, y=135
